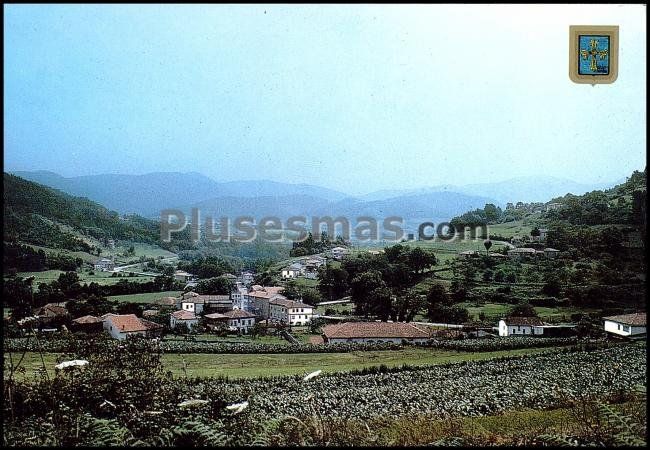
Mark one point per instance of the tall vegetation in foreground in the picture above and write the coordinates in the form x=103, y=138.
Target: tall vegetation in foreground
x=125, y=397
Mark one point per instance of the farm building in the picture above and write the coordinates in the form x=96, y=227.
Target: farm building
x=294, y=270
x=119, y=326
x=631, y=325
x=181, y=275
x=339, y=252
x=290, y=312
x=468, y=254
x=240, y=320
x=529, y=326
x=521, y=253
x=88, y=324
x=104, y=265
x=187, y=317
x=395, y=332
x=259, y=297
x=51, y=311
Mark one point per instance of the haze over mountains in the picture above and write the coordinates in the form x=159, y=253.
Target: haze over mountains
x=148, y=194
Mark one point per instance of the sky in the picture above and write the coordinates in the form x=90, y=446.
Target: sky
x=351, y=97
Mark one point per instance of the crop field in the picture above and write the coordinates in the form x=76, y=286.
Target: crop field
x=549, y=379
x=147, y=297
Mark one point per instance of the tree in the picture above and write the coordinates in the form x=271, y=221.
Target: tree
x=332, y=282
x=214, y=286
x=535, y=232
x=437, y=295
x=365, y=289
x=552, y=287
x=523, y=310
x=487, y=244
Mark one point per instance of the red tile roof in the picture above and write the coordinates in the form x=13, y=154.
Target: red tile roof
x=350, y=330
x=215, y=316
x=528, y=321
x=87, y=319
x=238, y=314
x=184, y=315
x=52, y=310
x=128, y=323
x=629, y=319
x=289, y=303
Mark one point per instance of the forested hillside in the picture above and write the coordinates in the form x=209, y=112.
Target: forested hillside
x=39, y=215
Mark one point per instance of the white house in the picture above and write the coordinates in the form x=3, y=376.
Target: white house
x=247, y=277
x=187, y=317
x=524, y=326
x=240, y=298
x=241, y=320
x=104, y=265
x=193, y=304
x=181, y=275
x=521, y=253
x=290, y=312
x=368, y=332
x=339, y=252
x=293, y=271
x=259, y=297
x=626, y=324
x=119, y=326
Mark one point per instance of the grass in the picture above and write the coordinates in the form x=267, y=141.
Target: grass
x=509, y=428
x=500, y=309
x=259, y=365
x=102, y=278
x=144, y=298
x=510, y=229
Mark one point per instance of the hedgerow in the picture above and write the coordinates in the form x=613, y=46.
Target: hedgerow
x=74, y=345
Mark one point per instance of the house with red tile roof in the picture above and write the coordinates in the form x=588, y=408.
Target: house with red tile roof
x=626, y=325
x=188, y=318
x=290, y=312
x=368, y=332
x=119, y=326
x=524, y=326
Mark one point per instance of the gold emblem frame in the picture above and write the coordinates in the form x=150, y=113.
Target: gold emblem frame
x=607, y=30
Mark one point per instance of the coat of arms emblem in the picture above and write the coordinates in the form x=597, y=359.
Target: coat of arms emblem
x=593, y=54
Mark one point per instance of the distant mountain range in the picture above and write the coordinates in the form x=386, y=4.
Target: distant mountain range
x=148, y=194
x=520, y=189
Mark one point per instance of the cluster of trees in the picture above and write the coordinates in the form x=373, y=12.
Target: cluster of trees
x=379, y=285
x=490, y=214
x=23, y=258
x=20, y=294
x=206, y=267
x=311, y=246
x=581, y=241
x=623, y=204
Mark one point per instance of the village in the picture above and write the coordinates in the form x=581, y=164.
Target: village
x=251, y=309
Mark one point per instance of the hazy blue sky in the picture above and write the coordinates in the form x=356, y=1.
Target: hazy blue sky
x=357, y=98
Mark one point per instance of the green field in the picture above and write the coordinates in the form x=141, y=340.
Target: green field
x=510, y=229
x=499, y=309
x=258, y=365
x=102, y=278
x=144, y=298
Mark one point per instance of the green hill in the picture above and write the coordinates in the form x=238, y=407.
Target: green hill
x=39, y=215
